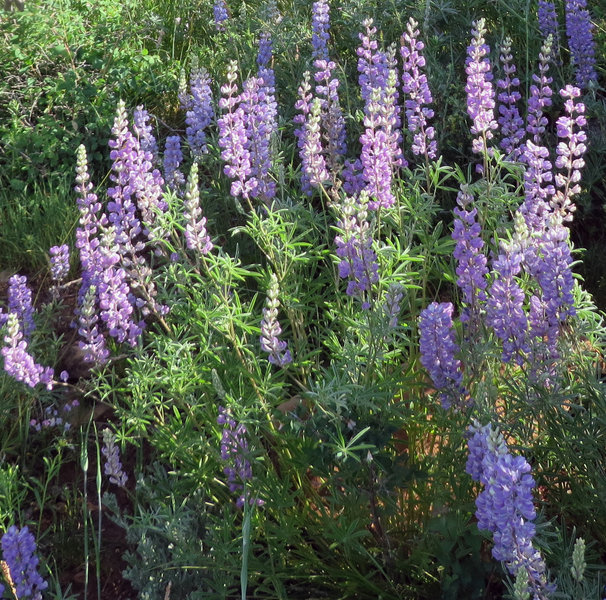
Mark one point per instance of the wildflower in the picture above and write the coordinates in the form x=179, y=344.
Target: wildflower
x=540, y=94
x=172, y=159
x=270, y=328
x=18, y=363
x=548, y=23
x=393, y=299
x=480, y=93
x=537, y=185
x=20, y=303
x=313, y=163
x=196, y=237
x=373, y=66
x=570, y=151
x=505, y=505
x=581, y=42
x=143, y=131
x=19, y=554
x=234, y=451
x=264, y=55
x=92, y=343
x=220, y=14
x=512, y=124
x=320, y=24
x=438, y=349
x=471, y=262
x=199, y=110
x=113, y=466
x=59, y=258
x=417, y=92
x=354, y=247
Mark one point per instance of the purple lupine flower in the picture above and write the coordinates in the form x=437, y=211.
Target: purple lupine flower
x=172, y=160
x=234, y=452
x=540, y=94
x=92, y=344
x=59, y=259
x=144, y=132
x=20, y=304
x=196, y=237
x=512, y=124
x=232, y=138
x=259, y=107
x=548, y=23
x=18, y=363
x=438, y=349
x=391, y=307
x=265, y=53
x=332, y=120
x=53, y=418
x=373, y=65
x=579, y=31
x=270, y=328
x=505, y=306
x=19, y=553
x=471, y=262
x=113, y=466
x=417, y=93
x=505, y=506
x=313, y=164
x=87, y=232
x=199, y=109
x=320, y=24
x=220, y=14
x=480, y=93
x=353, y=177
x=354, y=247
x=537, y=185
x=570, y=151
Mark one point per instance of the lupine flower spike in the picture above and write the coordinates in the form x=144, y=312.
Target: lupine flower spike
x=480, y=93
x=19, y=556
x=196, y=237
x=548, y=24
x=270, y=328
x=234, y=451
x=59, y=259
x=580, y=40
x=438, y=352
x=113, y=466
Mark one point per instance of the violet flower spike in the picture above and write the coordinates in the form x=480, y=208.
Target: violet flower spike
x=480, y=93
x=548, y=24
x=540, y=94
x=92, y=344
x=438, y=349
x=59, y=259
x=19, y=554
x=20, y=304
x=173, y=157
x=320, y=25
x=196, y=237
x=279, y=354
x=417, y=93
x=220, y=14
x=144, y=132
x=199, y=110
x=113, y=466
x=579, y=30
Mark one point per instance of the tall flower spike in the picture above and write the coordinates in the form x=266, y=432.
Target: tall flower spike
x=480, y=93
x=234, y=451
x=172, y=160
x=19, y=553
x=196, y=237
x=113, y=466
x=438, y=349
x=471, y=262
x=20, y=303
x=540, y=94
x=512, y=124
x=199, y=109
x=354, y=247
x=505, y=507
x=320, y=24
x=580, y=40
x=548, y=23
x=270, y=328
x=92, y=343
x=144, y=132
x=570, y=152
x=393, y=299
x=417, y=93
x=59, y=259
x=220, y=14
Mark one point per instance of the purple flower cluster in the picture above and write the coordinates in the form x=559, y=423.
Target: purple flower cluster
x=59, y=259
x=580, y=40
x=220, y=14
x=234, y=451
x=19, y=554
x=570, y=152
x=540, y=94
x=270, y=328
x=18, y=363
x=113, y=466
x=505, y=506
x=20, y=304
x=354, y=248
x=471, y=262
x=55, y=418
x=417, y=93
x=512, y=124
x=199, y=112
x=548, y=23
x=196, y=237
x=393, y=300
x=143, y=130
x=480, y=93
x=320, y=24
x=172, y=160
